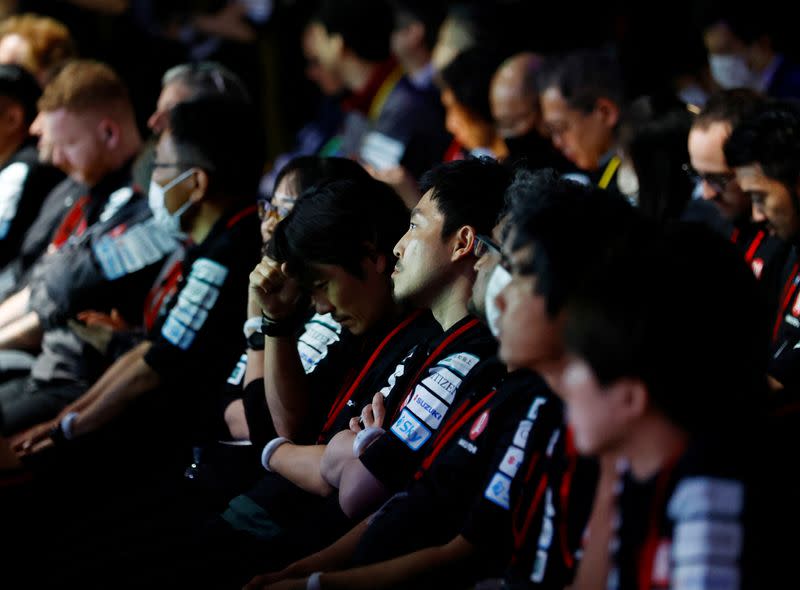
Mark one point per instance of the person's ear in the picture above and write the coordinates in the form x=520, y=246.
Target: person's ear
x=608, y=111
x=110, y=133
x=201, y=187
x=463, y=242
x=631, y=398
x=374, y=258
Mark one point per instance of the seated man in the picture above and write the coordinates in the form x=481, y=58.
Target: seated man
x=24, y=181
x=764, y=151
x=105, y=252
x=206, y=173
x=666, y=371
x=515, y=435
x=582, y=96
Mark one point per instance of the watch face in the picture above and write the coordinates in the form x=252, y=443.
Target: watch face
x=255, y=341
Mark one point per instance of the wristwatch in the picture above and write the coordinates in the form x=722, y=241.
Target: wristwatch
x=255, y=341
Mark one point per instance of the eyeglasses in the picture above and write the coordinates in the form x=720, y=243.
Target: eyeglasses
x=266, y=210
x=484, y=245
x=717, y=181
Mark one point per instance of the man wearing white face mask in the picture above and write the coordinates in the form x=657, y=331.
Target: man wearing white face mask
x=743, y=52
x=103, y=254
x=206, y=175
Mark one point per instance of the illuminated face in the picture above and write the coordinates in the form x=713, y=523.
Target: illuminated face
x=529, y=337
x=583, y=138
x=356, y=303
x=314, y=40
x=168, y=167
x=77, y=143
x=515, y=113
x=278, y=207
x=717, y=180
x=594, y=413
x=772, y=201
x=470, y=131
x=423, y=256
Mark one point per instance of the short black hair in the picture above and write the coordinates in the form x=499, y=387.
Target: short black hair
x=21, y=87
x=584, y=76
x=306, y=171
x=365, y=25
x=658, y=148
x=428, y=12
x=770, y=136
x=340, y=222
x=569, y=227
x=218, y=134
x=469, y=78
x=467, y=192
x=681, y=311
x=729, y=106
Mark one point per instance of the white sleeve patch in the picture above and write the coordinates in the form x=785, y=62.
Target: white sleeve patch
x=116, y=201
x=533, y=412
x=312, y=346
x=461, y=362
x=499, y=490
x=238, y=371
x=209, y=271
x=410, y=430
x=131, y=251
x=521, y=436
x=195, y=300
x=704, y=577
x=178, y=334
x=707, y=540
x=12, y=183
x=427, y=407
x=698, y=496
x=399, y=371
x=200, y=293
x=511, y=461
x=443, y=382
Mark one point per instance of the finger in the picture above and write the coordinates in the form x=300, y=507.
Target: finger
x=378, y=409
x=355, y=425
x=367, y=416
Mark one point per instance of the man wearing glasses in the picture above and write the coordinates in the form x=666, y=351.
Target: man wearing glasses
x=717, y=181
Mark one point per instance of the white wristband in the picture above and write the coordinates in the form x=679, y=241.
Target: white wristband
x=252, y=325
x=364, y=438
x=269, y=449
x=66, y=425
x=313, y=582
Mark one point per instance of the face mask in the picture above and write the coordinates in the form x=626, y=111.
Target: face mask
x=730, y=71
x=169, y=222
x=497, y=282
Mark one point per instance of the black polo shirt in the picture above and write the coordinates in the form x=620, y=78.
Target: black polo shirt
x=198, y=333
x=431, y=510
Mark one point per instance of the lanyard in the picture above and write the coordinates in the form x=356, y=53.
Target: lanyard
x=382, y=95
x=566, y=485
x=158, y=294
x=74, y=224
x=434, y=356
x=457, y=420
x=608, y=173
x=648, y=553
x=789, y=290
x=347, y=392
x=751, y=251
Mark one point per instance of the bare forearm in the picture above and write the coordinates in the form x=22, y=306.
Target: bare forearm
x=23, y=334
x=285, y=386
x=301, y=466
x=236, y=420
x=133, y=380
x=14, y=307
x=254, y=369
x=331, y=558
x=443, y=564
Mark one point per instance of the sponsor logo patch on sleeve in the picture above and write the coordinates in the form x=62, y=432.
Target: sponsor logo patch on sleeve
x=427, y=407
x=498, y=490
x=410, y=430
x=443, y=382
x=461, y=362
x=521, y=436
x=238, y=371
x=511, y=461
